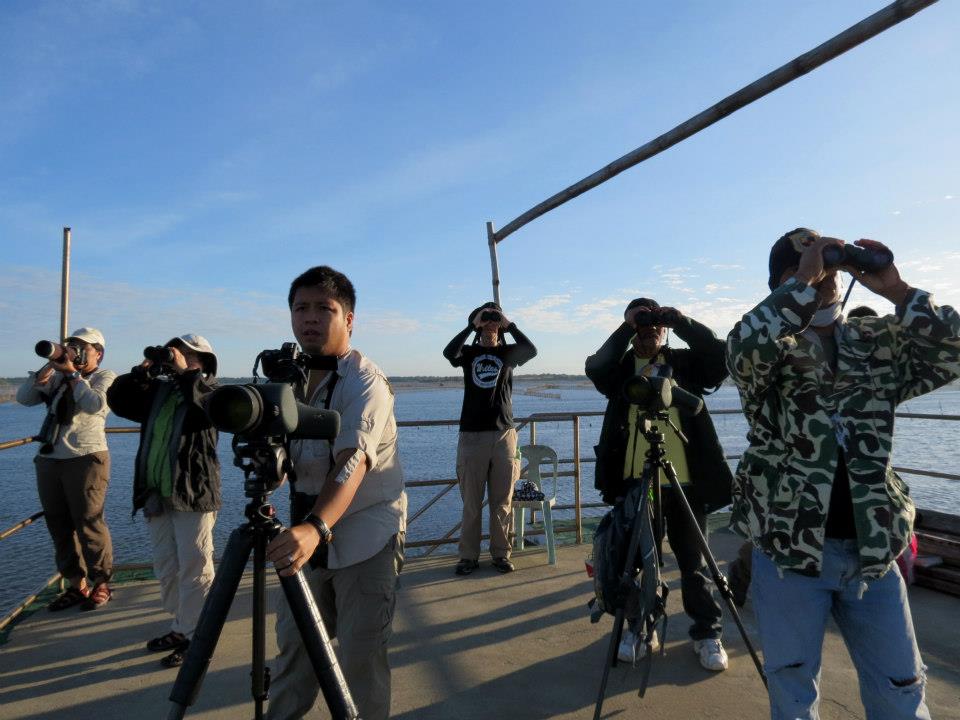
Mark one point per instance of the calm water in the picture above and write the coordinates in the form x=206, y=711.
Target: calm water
x=26, y=559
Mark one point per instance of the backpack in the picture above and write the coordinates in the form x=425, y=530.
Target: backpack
x=647, y=591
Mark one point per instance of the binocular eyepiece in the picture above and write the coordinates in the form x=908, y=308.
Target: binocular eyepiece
x=490, y=316
x=859, y=258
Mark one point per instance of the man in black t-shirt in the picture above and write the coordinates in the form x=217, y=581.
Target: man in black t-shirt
x=486, y=454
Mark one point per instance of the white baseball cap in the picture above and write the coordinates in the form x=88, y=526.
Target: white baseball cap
x=88, y=335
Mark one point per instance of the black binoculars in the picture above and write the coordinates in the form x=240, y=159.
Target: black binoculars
x=158, y=354
x=661, y=317
x=859, y=258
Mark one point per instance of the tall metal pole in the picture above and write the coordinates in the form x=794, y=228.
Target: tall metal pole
x=65, y=285
x=851, y=37
x=494, y=263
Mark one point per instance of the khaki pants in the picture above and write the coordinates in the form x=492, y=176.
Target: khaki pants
x=356, y=604
x=183, y=563
x=487, y=461
x=72, y=493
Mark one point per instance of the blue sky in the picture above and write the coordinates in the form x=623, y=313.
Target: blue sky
x=206, y=153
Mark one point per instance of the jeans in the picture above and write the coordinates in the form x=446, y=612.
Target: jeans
x=874, y=620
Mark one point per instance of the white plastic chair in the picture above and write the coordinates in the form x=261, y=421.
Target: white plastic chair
x=535, y=456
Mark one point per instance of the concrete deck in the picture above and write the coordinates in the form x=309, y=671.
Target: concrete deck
x=511, y=647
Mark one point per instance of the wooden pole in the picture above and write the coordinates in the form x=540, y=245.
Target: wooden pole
x=851, y=37
x=65, y=285
x=494, y=263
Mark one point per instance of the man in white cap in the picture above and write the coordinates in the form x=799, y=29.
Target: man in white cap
x=73, y=465
x=176, y=478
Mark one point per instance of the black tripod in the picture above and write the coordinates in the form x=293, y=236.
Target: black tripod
x=268, y=463
x=648, y=524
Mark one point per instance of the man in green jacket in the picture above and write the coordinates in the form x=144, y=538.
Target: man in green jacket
x=815, y=492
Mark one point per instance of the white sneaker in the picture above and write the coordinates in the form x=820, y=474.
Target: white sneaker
x=631, y=650
x=712, y=655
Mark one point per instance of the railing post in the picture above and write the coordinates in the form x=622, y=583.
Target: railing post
x=533, y=432
x=576, y=479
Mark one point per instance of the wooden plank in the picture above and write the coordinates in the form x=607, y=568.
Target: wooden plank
x=943, y=545
x=940, y=585
x=937, y=521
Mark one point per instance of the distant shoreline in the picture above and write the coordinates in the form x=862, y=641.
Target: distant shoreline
x=8, y=386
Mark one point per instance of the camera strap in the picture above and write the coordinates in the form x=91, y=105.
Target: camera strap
x=301, y=504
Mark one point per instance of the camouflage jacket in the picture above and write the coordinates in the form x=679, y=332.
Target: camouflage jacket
x=801, y=413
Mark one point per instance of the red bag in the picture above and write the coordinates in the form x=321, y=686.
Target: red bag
x=908, y=559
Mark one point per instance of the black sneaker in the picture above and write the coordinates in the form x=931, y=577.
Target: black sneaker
x=503, y=565
x=465, y=566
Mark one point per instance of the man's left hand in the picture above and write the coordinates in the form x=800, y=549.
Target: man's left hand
x=504, y=321
x=290, y=550
x=887, y=282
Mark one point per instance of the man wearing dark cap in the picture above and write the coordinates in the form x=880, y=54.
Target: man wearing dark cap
x=815, y=492
x=487, y=448
x=638, y=347
x=176, y=479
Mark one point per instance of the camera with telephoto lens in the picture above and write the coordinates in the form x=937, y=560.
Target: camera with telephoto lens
x=657, y=394
x=660, y=317
x=859, y=258
x=264, y=417
x=55, y=352
x=273, y=408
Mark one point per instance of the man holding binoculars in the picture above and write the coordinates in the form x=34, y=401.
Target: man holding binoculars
x=487, y=449
x=176, y=478
x=73, y=463
x=638, y=347
x=815, y=492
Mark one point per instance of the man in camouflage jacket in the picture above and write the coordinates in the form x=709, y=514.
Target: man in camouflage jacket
x=815, y=491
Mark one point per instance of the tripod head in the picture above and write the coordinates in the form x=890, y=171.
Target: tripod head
x=265, y=463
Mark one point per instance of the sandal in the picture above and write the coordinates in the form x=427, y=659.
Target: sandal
x=175, y=659
x=98, y=597
x=171, y=641
x=67, y=599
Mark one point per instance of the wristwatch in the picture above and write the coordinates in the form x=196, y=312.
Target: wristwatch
x=75, y=375
x=326, y=534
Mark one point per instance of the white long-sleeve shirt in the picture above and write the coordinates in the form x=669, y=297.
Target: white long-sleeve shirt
x=86, y=432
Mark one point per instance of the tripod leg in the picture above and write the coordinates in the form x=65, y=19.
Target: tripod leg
x=210, y=625
x=629, y=572
x=259, y=677
x=316, y=642
x=611, y=660
x=718, y=578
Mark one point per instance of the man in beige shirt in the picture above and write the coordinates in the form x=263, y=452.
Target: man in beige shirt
x=348, y=511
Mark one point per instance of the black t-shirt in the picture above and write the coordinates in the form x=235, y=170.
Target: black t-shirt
x=840, y=523
x=488, y=386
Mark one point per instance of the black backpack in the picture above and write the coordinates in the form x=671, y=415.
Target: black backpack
x=610, y=548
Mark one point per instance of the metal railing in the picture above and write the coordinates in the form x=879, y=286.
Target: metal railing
x=528, y=424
